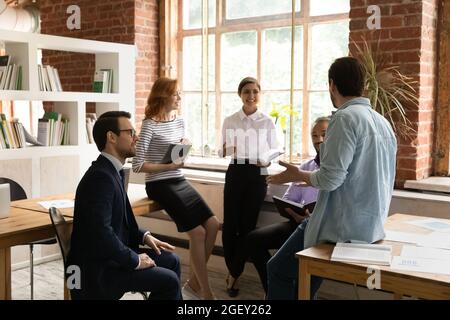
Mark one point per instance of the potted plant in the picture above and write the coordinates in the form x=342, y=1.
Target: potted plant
x=391, y=93
x=282, y=113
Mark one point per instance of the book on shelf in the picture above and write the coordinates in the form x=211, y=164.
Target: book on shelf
x=53, y=130
x=10, y=74
x=362, y=253
x=11, y=133
x=49, y=78
x=103, y=81
x=299, y=208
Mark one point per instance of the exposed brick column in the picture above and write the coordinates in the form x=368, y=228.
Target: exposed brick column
x=407, y=39
x=121, y=21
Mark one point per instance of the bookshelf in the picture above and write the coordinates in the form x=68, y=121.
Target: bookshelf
x=30, y=166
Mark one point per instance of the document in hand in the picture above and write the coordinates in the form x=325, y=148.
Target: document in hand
x=362, y=253
x=299, y=208
x=268, y=156
x=176, y=153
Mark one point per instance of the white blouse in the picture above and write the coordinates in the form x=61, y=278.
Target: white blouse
x=253, y=135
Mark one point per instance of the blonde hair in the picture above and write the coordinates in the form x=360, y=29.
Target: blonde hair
x=162, y=90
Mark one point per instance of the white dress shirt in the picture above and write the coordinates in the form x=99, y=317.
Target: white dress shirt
x=253, y=135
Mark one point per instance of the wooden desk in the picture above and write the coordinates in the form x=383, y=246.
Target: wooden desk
x=316, y=261
x=136, y=193
x=21, y=227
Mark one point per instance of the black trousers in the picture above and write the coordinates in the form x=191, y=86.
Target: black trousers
x=261, y=240
x=162, y=281
x=245, y=189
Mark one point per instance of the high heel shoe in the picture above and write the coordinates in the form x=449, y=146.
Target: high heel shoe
x=231, y=290
x=189, y=293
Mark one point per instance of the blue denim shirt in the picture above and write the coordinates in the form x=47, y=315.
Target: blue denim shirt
x=356, y=177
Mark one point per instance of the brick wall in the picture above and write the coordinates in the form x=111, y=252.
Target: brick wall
x=122, y=21
x=407, y=39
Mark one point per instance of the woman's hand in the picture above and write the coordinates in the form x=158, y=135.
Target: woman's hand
x=185, y=141
x=175, y=166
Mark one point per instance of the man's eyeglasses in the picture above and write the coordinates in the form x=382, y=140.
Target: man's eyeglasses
x=132, y=132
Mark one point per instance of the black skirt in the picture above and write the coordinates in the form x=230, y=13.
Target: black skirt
x=181, y=201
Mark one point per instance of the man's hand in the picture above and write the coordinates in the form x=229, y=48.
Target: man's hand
x=297, y=217
x=157, y=245
x=145, y=261
x=289, y=175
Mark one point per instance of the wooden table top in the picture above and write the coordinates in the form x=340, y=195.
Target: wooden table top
x=396, y=222
x=136, y=194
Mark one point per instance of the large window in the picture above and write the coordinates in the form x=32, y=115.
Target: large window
x=254, y=38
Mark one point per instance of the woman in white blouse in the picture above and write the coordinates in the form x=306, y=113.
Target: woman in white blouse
x=166, y=184
x=247, y=135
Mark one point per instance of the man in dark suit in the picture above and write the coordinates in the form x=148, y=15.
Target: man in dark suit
x=106, y=238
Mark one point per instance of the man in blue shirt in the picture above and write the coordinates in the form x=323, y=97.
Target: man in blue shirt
x=355, y=179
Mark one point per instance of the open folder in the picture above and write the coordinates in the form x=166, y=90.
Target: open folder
x=298, y=208
x=176, y=153
x=268, y=156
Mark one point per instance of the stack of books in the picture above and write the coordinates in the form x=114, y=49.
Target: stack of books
x=103, y=80
x=53, y=130
x=362, y=253
x=12, y=134
x=49, y=79
x=10, y=74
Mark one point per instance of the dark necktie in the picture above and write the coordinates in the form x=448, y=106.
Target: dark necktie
x=122, y=178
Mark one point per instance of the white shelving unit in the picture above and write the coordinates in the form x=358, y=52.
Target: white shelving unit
x=24, y=48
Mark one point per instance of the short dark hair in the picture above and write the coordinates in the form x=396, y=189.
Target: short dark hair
x=246, y=81
x=348, y=76
x=108, y=121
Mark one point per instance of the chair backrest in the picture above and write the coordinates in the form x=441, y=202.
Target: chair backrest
x=63, y=231
x=17, y=192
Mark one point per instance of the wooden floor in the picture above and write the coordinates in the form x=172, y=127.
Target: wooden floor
x=48, y=284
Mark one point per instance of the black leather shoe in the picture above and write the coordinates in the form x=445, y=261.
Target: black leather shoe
x=231, y=290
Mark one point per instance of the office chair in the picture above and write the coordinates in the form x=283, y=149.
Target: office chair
x=17, y=193
x=63, y=231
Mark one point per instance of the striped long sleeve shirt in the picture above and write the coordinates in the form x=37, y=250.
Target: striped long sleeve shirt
x=153, y=143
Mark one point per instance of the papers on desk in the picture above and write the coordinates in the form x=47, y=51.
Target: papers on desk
x=405, y=237
x=362, y=253
x=420, y=265
x=421, y=259
x=426, y=253
x=436, y=240
x=60, y=204
x=439, y=225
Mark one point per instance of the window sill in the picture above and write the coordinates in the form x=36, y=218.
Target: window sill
x=435, y=184
x=220, y=165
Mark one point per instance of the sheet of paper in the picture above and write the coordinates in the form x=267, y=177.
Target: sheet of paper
x=436, y=240
x=60, y=204
x=426, y=253
x=402, y=237
x=439, y=225
x=420, y=265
